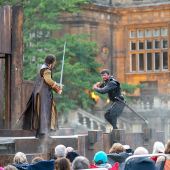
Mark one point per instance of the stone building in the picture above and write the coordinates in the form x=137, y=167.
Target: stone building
x=130, y=32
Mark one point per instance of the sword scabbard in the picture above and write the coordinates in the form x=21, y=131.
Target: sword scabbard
x=120, y=100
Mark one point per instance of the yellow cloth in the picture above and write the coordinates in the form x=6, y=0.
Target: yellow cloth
x=47, y=77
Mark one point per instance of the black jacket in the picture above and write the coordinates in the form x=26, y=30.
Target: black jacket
x=141, y=164
x=121, y=157
x=110, y=86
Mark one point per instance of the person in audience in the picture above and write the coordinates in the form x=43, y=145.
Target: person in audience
x=117, y=148
x=142, y=163
x=42, y=165
x=100, y=160
x=157, y=148
x=128, y=149
x=62, y=164
x=36, y=159
x=9, y=167
x=117, y=153
x=162, y=158
x=71, y=154
x=70, y=149
x=20, y=161
x=141, y=151
x=80, y=162
x=60, y=151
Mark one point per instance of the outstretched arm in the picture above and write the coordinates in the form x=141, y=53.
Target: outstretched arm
x=110, y=86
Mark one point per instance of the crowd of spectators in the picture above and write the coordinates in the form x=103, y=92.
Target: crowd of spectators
x=116, y=159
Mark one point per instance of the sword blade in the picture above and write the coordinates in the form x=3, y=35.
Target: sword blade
x=61, y=77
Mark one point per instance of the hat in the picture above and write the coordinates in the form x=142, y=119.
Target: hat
x=100, y=157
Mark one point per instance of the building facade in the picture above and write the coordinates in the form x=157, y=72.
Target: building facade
x=135, y=33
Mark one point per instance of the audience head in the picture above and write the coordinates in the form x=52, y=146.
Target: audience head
x=158, y=147
x=167, y=149
x=60, y=151
x=141, y=151
x=36, y=159
x=20, y=157
x=80, y=162
x=70, y=149
x=117, y=148
x=100, y=157
x=62, y=164
x=10, y=167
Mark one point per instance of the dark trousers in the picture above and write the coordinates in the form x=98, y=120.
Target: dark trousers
x=113, y=113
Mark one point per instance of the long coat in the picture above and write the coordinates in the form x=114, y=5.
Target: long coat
x=40, y=112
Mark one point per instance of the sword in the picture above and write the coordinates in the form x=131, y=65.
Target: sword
x=120, y=100
x=121, y=69
x=61, y=77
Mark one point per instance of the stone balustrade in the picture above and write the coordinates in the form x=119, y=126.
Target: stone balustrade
x=88, y=120
x=150, y=102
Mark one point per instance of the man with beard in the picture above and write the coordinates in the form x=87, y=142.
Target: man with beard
x=40, y=113
x=112, y=87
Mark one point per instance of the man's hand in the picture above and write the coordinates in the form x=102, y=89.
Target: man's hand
x=59, y=92
x=60, y=86
x=96, y=85
x=57, y=86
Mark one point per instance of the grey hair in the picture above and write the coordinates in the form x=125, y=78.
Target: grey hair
x=140, y=151
x=70, y=149
x=60, y=151
x=10, y=167
x=158, y=147
x=80, y=162
x=20, y=157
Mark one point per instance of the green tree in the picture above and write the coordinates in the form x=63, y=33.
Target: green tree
x=130, y=89
x=80, y=69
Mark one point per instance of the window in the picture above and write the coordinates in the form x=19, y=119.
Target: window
x=156, y=61
x=132, y=34
x=165, y=60
x=156, y=32
x=148, y=33
x=148, y=44
x=149, y=49
x=141, y=62
x=133, y=62
x=140, y=33
x=133, y=45
x=149, y=61
x=164, y=43
x=140, y=45
x=164, y=31
x=156, y=44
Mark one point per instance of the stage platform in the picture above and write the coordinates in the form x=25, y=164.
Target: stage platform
x=13, y=141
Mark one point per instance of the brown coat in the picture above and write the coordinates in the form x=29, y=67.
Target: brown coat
x=41, y=111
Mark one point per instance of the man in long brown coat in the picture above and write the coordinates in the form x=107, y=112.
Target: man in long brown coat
x=41, y=113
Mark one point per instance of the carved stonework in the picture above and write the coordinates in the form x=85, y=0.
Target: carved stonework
x=105, y=52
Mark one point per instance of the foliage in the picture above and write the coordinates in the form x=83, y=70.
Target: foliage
x=80, y=69
x=41, y=18
x=130, y=88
